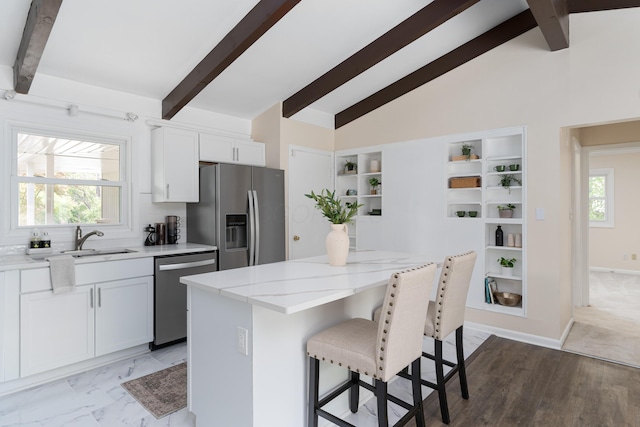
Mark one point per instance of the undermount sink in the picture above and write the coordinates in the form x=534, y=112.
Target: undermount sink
x=95, y=252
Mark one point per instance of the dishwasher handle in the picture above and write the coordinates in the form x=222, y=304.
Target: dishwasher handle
x=183, y=265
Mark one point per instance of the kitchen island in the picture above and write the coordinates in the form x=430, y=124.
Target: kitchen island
x=248, y=327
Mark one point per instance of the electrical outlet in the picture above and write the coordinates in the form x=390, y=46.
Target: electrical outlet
x=625, y=257
x=243, y=341
x=634, y=257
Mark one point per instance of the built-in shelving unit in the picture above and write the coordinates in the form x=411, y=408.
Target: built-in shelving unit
x=353, y=186
x=475, y=184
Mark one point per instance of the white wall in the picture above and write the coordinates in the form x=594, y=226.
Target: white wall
x=58, y=94
x=523, y=83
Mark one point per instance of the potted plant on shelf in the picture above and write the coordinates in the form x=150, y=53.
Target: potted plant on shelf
x=350, y=167
x=506, y=211
x=507, y=265
x=506, y=181
x=337, y=241
x=374, y=183
x=466, y=150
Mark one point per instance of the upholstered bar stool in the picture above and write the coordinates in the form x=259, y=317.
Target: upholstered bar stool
x=376, y=349
x=445, y=315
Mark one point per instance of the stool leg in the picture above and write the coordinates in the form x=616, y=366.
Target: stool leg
x=416, y=383
x=354, y=391
x=314, y=377
x=381, y=396
x=442, y=391
x=462, y=372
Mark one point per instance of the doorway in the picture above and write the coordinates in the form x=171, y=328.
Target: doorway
x=309, y=169
x=607, y=286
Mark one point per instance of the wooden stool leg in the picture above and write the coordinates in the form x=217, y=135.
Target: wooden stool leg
x=416, y=383
x=381, y=396
x=354, y=391
x=442, y=391
x=314, y=378
x=462, y=372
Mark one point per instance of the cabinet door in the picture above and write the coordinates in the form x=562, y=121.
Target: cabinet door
x=175, y=165
x=215, y=148
x=124, y=314
x=250, y=153
x=55, y=330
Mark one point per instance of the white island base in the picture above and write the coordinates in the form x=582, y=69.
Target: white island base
x=281, y=305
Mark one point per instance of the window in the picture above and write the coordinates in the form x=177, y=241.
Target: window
x=68, y=180
x=601, y=197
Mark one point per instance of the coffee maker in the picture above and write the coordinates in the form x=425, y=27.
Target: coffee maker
x=173, y=229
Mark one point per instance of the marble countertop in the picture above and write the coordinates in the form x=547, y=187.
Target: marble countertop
x=297, y=285
x=15, y=262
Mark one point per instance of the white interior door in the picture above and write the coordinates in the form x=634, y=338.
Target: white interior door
x=309, y=170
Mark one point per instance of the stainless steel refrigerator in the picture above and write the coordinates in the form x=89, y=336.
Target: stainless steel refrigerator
x=241, y=211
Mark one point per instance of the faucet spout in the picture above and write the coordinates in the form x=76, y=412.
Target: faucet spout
x=80, y=239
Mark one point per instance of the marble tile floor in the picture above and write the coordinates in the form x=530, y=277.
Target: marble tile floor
x=607, y=328
x=95, y=398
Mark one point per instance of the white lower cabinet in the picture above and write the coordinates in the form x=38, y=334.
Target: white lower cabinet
x=93, y=320
x=124, y=314
x=55, y=330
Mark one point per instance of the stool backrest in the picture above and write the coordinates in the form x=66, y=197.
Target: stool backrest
x=401, y=324
x=451, y=296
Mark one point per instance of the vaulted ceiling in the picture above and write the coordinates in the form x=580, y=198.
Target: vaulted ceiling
x=340, y=58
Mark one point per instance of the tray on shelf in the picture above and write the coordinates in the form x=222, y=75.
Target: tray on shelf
x=465, y=182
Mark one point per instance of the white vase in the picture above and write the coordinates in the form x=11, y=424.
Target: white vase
x=507, y=271
x=338, y=245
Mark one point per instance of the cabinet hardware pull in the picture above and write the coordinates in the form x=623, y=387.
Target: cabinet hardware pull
x=167, y=191
x=91, y=297
x=99, y=297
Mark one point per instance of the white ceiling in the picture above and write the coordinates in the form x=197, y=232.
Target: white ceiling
x=146, y=47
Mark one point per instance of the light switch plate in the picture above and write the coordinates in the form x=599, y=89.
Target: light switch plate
x=540, y=214
x=243, y=341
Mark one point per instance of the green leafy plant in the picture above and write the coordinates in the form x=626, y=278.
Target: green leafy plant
x=507, y=207
x=374, y=182
x=350, y=166
x=507, y=262
x=466, y=150
x=332, y=208
x=506, y=181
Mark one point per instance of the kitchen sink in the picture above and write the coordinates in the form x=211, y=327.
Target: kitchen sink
x=85, y=252
x=95, y=252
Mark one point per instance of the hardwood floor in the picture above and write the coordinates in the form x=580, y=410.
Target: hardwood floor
x=517, y=384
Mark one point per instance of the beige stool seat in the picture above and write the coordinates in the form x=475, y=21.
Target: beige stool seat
x=376, y=349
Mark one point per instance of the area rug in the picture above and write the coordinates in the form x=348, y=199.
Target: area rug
x=162, y=392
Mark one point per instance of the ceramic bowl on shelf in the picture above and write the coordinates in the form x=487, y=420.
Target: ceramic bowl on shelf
x=460, y=213
x=508, y=298
x=473, y=214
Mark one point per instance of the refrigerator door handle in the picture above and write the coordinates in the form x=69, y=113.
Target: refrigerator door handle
x=257, y=222
x=252, y=229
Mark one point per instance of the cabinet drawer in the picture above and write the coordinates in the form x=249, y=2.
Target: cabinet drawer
x=39, y=279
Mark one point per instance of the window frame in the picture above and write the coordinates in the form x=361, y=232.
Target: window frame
x=608, y=221
x=125, y=184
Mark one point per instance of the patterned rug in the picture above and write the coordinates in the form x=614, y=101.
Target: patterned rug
x=162, y=392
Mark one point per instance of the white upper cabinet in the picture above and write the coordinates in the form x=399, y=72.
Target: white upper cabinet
x=174, y=165
x=223, y=149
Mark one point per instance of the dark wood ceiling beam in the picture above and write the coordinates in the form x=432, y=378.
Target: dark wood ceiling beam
x=42, y=15
x=498, y=35
x=576, y=6
x=412, y=28
x=258, y=21
x=552, y=17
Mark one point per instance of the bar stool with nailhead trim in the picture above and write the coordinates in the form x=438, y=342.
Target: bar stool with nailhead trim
x=445, y=315
x=376, y=349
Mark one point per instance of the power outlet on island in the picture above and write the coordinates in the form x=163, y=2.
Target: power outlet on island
x=243, y=341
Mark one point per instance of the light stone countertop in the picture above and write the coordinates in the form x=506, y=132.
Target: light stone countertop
x=292, y=286
x=18, y=262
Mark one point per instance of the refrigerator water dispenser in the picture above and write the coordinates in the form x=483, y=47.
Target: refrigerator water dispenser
x=236, y=231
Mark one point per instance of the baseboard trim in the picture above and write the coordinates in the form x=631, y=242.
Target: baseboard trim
x=520, y=336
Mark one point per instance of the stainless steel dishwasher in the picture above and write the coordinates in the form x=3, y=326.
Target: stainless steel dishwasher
x=170, y=296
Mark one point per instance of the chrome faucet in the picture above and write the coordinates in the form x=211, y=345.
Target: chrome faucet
x=80, y=240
